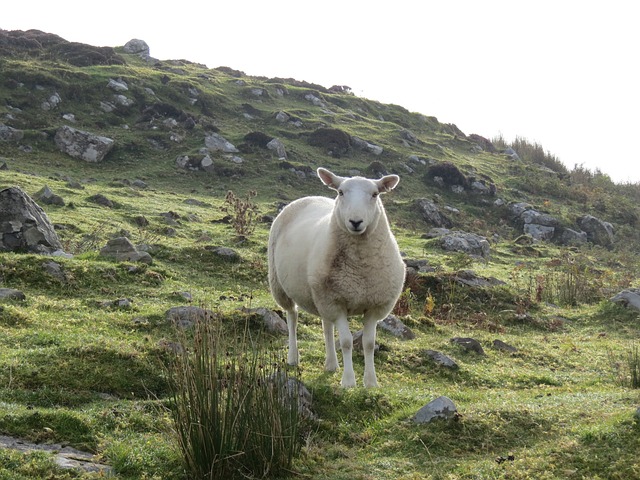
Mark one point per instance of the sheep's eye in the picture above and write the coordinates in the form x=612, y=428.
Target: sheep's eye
x=340, y=192
x=375, y=194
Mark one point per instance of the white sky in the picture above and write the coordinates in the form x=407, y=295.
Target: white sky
x=562, y=73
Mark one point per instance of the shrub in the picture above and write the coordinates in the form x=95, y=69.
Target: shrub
x=243, y=212
x=232, y=413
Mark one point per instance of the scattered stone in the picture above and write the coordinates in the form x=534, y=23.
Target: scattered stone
x=187, y=316
x=83, y=145
x=55, y=270
x=471, y=279
x=137, y=46
x=225, y=253
x=630, y=298
x=24, y=226
x=441, y=359
x=215, y=142
x=441, y=407
x=119, y=303
x=505, y=347
x=10, y=134
x=185, y=296
x=46, y=196
x=11, y=294
x=100, y=199
x=469, y=344
x=64, y=456
x=122, y=250
x=464, y=242
x=292, y=387
x=118, y=85
x=418, y=265
x=431, y=213
x=271, y=320
x=395, y=327
x=277, y=146
x=4, y=166
x=598, y=232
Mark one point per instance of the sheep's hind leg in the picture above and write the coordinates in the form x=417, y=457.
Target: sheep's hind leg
x=368, y=345
x=293, y=357
x=331, y=359
x=346, y=343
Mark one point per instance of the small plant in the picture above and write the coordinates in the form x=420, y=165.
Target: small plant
x=626, y=367
x=403, y=305
x=243, y=212
x=233, y=414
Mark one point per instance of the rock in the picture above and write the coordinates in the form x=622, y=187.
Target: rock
x=571, y=237
x=118, y=85
x=469, y=344
x=505, y=347
x=46, y=196
x=395, y=327
x=419, y=265
x=11, y=294
x=55, y=270
x=598, y=232
x=63, y=456
x=225, y=253
x=357, y=142
x=271, y=320
x=511, y=153
x=441, y=407
x=431, y=213
x=10, y=134
x=630, y=298
x=122, y=250
x=137, y=46
x=294, y=387
x=468, y=243
x=441, y=359
x=83, y=145
x=470, y=279
x=24, y=226
x=277, y=146
x=187, y=316
x=101, y=200
x=215, y=142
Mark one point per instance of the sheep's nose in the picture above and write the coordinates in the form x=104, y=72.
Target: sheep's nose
x=356, y=224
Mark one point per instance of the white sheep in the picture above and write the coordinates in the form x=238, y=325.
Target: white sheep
x=337, y=258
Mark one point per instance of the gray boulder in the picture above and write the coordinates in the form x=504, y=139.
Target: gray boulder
x=431, y=213
x=270, y=319
x=10, y=134
x=598, y=232
x=187, y=316
x=11, y=294
x=630, y=298
x=464, y=242
x=215, y=142
x=122, y=250
x=395, y=327
x=24, y=226
x=83, y=145
x=277, y=146
x=440, y=408
x=137, y=46
x=46, y=196
x=441, y=359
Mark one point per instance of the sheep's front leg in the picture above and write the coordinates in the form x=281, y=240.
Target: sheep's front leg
x=346, y=344
x=293, y=357
x=331, y=359
x=368, y=345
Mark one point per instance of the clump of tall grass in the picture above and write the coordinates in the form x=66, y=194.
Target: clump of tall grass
x=233, y=413
x=531, y=152
x=626, y=367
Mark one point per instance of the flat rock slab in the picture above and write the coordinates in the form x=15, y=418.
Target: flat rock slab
x=440, y=408
x=65, y=457
x=11, y=294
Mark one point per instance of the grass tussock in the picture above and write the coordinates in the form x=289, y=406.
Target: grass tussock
x=233, y=411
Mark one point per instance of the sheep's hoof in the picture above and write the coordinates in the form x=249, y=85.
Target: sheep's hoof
x=331, y=366
x=348, y=382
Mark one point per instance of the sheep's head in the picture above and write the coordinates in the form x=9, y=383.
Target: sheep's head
x=358, y=206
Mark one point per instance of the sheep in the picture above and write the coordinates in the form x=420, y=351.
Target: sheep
x=335, y=258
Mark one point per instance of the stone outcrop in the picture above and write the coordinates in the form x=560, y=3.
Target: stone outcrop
x=598, y=231
x=83, y=145
x=464, y=242
x=24, y=226
x=122, y=250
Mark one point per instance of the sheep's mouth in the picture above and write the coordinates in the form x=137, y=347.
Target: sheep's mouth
x=356, y=230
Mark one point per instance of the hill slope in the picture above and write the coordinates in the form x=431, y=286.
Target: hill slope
x=79, y=355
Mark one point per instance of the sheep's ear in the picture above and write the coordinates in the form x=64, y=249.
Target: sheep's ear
x=331, y=180
x=387, y=183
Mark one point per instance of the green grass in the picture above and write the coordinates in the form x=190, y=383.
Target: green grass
x=77, y=372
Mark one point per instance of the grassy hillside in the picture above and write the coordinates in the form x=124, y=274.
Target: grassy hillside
x=80, y=370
